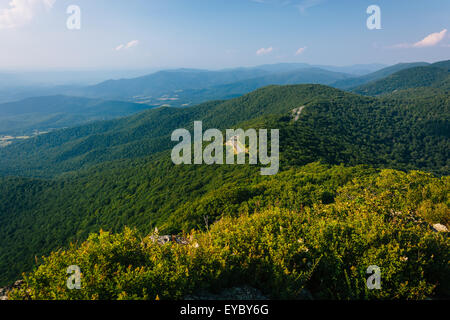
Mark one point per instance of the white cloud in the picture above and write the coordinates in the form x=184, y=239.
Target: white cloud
x=21, y=12
x=128, y=45
x=132, y=44
x=429, y=41
x=264, y=51
x=300, y=51
x=306, y=4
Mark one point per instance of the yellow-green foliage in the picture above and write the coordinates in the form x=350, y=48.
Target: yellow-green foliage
x=382, y=219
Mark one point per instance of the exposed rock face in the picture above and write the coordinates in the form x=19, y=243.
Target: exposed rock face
x=440, y=227
x=4, y=291
x=297, y=112
x=165, y=239
x=155, y=237
x=3, y=294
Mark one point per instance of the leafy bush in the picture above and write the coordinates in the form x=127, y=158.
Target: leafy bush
x=376, y=219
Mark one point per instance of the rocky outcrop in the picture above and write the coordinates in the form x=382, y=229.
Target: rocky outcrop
x=155, y=237
x=440, y=227
x=5, y=291
x=169, y=238
x=297, y=112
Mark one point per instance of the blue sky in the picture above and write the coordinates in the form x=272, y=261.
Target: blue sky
x=214, y=34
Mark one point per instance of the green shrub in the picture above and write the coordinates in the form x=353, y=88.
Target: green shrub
x=380, y=219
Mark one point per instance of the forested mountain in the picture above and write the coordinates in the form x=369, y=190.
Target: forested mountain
x=118, y=173
x=161, y=83
x=357, y=69
x=336, y=202
x=429, y=76
x=164, y=85
x=236, y=89
x=213, y=150
x=377, y=75
x=149, y=132
x=187, y=87
x=340, y=127
x=442, y=64
x=318, y=218
x=43, y=113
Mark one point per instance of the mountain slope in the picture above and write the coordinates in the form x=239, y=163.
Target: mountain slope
x=161, y=83
x=339, y=127
x=147, y=133
x=236, y=89
x=157, y=88
x=429, y=76
x=43, y=113
x=354, y=82
x=124, y=175
x=188, y=87
x=306, y=228
x=358, y=69
x=442, y=64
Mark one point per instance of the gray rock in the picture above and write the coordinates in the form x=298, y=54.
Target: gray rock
x=6, y=290
x=169, y=238
x=440, y=227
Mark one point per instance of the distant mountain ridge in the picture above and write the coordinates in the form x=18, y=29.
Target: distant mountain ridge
x=188, y=87
x=357, y=69
x=164, y=87
x=43, y=113
x=116, y=173
x=149, y=132
x=236, y=89
x=66, y=106
x=357, y=81
x=184, y=87
x=435, y=75
x=173, y=82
